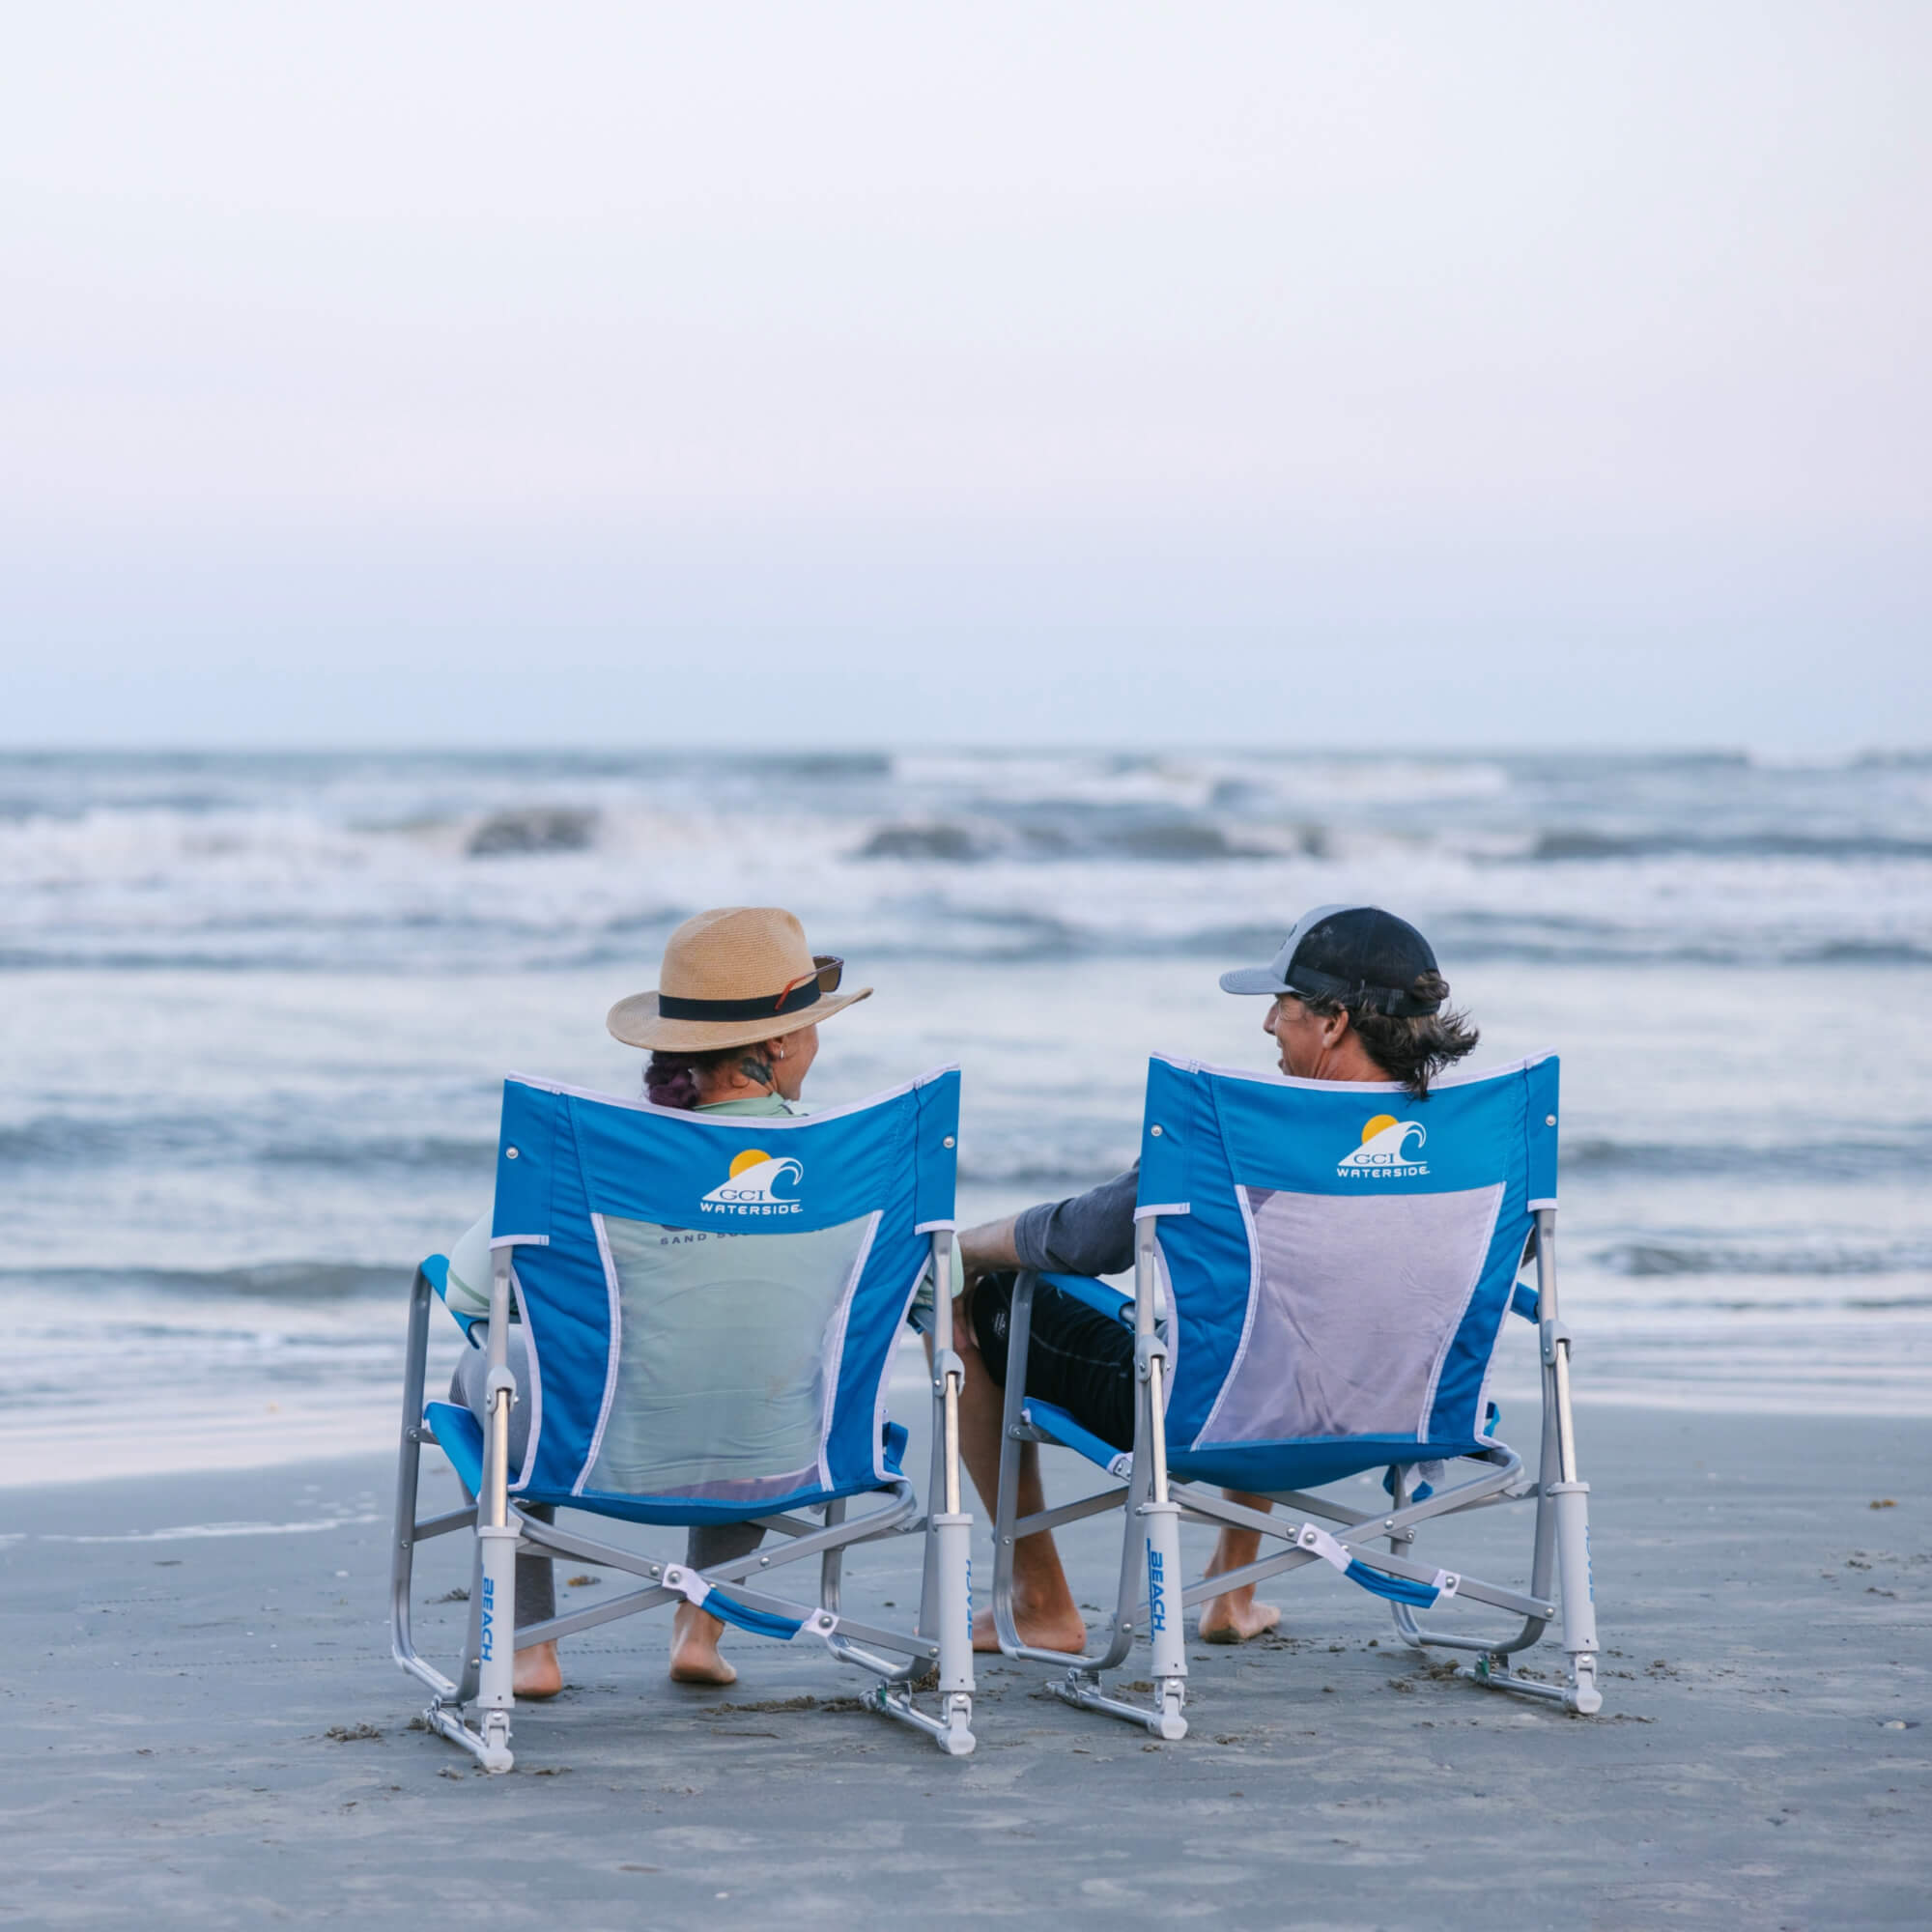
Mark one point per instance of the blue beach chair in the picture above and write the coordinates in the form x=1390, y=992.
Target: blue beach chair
x=1337, y=1264
x=760, y=1399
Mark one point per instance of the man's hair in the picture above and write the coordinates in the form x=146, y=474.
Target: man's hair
x=1414, y=1050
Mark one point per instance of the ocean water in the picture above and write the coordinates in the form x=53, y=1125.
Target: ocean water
x=254, y=1013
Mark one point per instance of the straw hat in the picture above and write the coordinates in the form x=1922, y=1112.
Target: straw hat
x=732, y=975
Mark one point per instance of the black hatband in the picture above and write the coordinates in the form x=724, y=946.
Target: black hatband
x=671, y=1007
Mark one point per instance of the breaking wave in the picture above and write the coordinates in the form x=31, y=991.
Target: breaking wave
x=1645, y=1258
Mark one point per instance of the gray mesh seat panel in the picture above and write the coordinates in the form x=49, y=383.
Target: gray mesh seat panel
x=1352, y=1305
x=724, y=1346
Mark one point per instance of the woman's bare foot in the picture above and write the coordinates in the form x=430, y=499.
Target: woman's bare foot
x=1055, y=1630
x=1237, y=1617
x=538, y=1674
x=693, y=1648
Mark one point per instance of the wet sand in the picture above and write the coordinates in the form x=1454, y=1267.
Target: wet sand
x=204, y=1729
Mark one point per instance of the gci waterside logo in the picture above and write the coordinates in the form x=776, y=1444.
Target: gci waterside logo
x=1384, y=1153
x=753, y=1187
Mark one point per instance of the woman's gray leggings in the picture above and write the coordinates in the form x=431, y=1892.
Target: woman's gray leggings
x=704, y=1544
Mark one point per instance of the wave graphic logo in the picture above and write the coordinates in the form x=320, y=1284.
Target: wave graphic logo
x=1384, y=1153
x=753, y=1186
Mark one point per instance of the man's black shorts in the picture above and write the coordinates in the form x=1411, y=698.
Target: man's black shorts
x=1077, y=1358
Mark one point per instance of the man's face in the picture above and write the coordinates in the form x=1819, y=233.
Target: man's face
x=1300, y=1035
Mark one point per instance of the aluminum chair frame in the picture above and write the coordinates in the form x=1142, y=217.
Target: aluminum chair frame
x=940, y=1642
x=1151, y=1593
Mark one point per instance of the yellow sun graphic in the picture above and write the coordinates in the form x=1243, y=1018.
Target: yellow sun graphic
x=750, y=1157
x=1369, y=1132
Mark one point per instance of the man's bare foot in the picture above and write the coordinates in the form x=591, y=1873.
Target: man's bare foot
x=693, y=1648
x=1061, y=1630
x=538, y=1674
x=1237, y=1617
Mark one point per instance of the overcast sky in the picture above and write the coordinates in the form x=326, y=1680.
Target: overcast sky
x=824, y=373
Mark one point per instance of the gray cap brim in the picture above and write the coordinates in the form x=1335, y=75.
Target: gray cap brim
x=1252, y=980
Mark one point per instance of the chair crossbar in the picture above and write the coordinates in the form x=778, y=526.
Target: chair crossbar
x=441, y=1525
x=1386, y=1523
x=1357, y=1541
x=628, y=1605
x=1325, y=1507
x=1194, y=1595
x=1052, y=1518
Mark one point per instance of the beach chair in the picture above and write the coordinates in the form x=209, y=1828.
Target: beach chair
x=1323, y=1273
x=760, y=1399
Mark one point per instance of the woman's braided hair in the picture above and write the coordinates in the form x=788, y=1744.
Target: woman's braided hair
x=670, y=1079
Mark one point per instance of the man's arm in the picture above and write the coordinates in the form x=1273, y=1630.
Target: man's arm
x=989, y=1246
x=1087, y=1234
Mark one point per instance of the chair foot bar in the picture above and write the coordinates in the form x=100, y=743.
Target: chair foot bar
x=951, y=1731
x=1580, y=1695
x=1410, y=1632
x=491, y=1749
x=1163, y=1719
x=847, y=1652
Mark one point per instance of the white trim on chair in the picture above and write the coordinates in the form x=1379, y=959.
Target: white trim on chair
x=1456, y=1076
x=1247, y=1319
x=613, y=1349
x=1499, y=1190
x=833, y=1348
x=765, y=1123
x=534, y=1394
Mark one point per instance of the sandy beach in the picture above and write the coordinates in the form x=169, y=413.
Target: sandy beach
x=207, y=1729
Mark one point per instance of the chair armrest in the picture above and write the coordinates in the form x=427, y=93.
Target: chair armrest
x=1099, y=1295
x=435, y=1269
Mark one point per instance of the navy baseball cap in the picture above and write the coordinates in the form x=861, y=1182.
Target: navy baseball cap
x=1345, y=952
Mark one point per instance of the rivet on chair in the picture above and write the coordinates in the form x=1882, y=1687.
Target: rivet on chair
x=1549, y=1120
x=509, y=1153
x=949, y=1140
x=1155, y=1132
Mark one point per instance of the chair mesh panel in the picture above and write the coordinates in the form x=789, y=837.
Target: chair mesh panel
x=725, y=1340
x=1355, y=1302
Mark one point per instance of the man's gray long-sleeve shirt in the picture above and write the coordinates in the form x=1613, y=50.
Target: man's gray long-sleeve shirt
x=1085, y=1234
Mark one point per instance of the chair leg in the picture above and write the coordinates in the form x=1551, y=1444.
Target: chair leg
x=946, y=1593
x=1161, y=1522
x=489, y=1676
x=1562, y=1510
x=1153, y=1521
x=408, y=1477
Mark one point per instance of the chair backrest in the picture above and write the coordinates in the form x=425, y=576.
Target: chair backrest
x=1340, y=1258
x=713, y=1301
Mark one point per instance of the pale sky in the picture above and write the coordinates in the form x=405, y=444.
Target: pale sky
x=820, y=373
